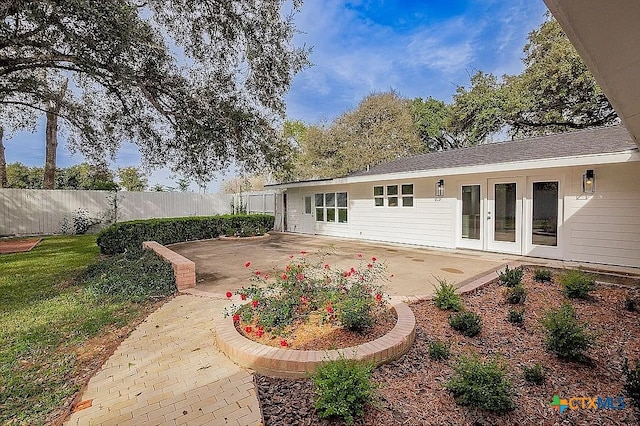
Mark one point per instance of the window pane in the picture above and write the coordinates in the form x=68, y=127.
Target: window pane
x=379, y=201
x=342, y=199
x=407, y=189
x=505, y=214
x=407, y=201
x=393, y=201
x=331, y=215
x=307, y=205
x=544, y=223
x=392, y=189
x=378, y=190
x=330, y=200
x=319, y=200
x=471, y=212
x=342, y=215
x=320, y=215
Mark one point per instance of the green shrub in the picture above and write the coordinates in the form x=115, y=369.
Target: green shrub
x=534, y=374
x=516, y=295
x=632, y=381
x=343, y=388
x=136, y=275
x=481, y=385
x=630, y=304
x=516, y=316
x=124, y=235
x=439, y=350
x=468, y=323
x=356, y=309
x=446, y=297
x=565, y=335
x=542, y=275
x=511, y=277
x=577, y=284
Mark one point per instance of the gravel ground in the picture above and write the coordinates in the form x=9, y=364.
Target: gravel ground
x=411, y=388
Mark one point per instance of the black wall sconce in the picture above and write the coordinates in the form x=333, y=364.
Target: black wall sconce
x=440, y=188
x=589, y=181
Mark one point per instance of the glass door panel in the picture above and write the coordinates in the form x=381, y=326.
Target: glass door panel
x=471, y=212
x=544, y=216
x=505, y=212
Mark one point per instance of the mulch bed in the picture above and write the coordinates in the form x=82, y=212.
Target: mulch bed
x=411, y=388
x=18, y=246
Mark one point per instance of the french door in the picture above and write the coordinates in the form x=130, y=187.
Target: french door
x=504, y=215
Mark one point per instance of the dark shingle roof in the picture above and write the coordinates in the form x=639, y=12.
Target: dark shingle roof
x=584, y=142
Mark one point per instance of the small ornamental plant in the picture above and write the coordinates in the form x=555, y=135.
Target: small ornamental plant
x=446, y=297
x=515, y=295
x=467, y=323
x=511, y=277
x=439, y=350
x=632, y=381
x=534, y=374
x=310, y=292
x=542, y=275
x=516, y=316
x=577, y=284
x=566, y=336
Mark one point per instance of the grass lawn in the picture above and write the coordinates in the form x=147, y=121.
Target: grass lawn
x=46, y=323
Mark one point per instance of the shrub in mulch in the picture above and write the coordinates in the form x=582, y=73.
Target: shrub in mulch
x=467, y=323
x=577, y=284
x=411, y=389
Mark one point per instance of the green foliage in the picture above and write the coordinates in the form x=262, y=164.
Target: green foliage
x=516, y=316
x=45, y=316
x=481, y=385
x=534, y=374
x=343, y=387
x=511, y=277
x=566, y=336
x=79, y=176
x=542, y=275
x=136, y=276
x=356, y=309
x=576, y=284
x=446, y=297
x=431, y=120
x=438, y=350
x=468, y=323
x=632, y=381
x=123, y=235
x=516, y=295
x=630, y=304
x=307, y=291
x=131, y=179
x=219, y=101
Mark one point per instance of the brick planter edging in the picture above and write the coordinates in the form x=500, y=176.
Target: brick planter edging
x=291, y=363
x=183, y=269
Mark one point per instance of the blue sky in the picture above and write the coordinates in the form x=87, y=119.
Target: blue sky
x=417, y=48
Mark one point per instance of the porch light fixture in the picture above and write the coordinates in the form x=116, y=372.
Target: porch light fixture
x=589, y=181
x=440, y=188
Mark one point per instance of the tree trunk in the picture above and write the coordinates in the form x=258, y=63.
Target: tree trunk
x=3, y=162
x=51, y=138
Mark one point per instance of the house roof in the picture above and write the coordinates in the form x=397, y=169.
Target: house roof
x=595, y=141
x=583, y=147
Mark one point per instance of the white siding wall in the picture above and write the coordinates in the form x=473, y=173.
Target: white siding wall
x=604, y=227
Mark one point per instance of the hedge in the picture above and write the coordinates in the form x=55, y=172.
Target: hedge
x=120, y=236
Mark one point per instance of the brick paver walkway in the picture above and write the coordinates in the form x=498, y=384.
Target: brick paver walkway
x=169, y=371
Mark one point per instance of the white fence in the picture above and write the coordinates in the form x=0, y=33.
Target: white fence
x=34, y=211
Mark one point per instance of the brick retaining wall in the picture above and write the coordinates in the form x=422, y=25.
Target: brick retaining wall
x=183, y=268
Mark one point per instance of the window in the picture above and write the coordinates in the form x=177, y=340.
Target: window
x=393, y=197
x=378, y=196
x=407, y=195
x=320, y=207
x=544, y=220
x=307, y=204
x=332, y=207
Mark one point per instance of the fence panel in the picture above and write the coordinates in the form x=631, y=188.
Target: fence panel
x=35, y=211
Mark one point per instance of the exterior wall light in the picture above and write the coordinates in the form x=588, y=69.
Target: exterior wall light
x=440, y=188
x=589, y=181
